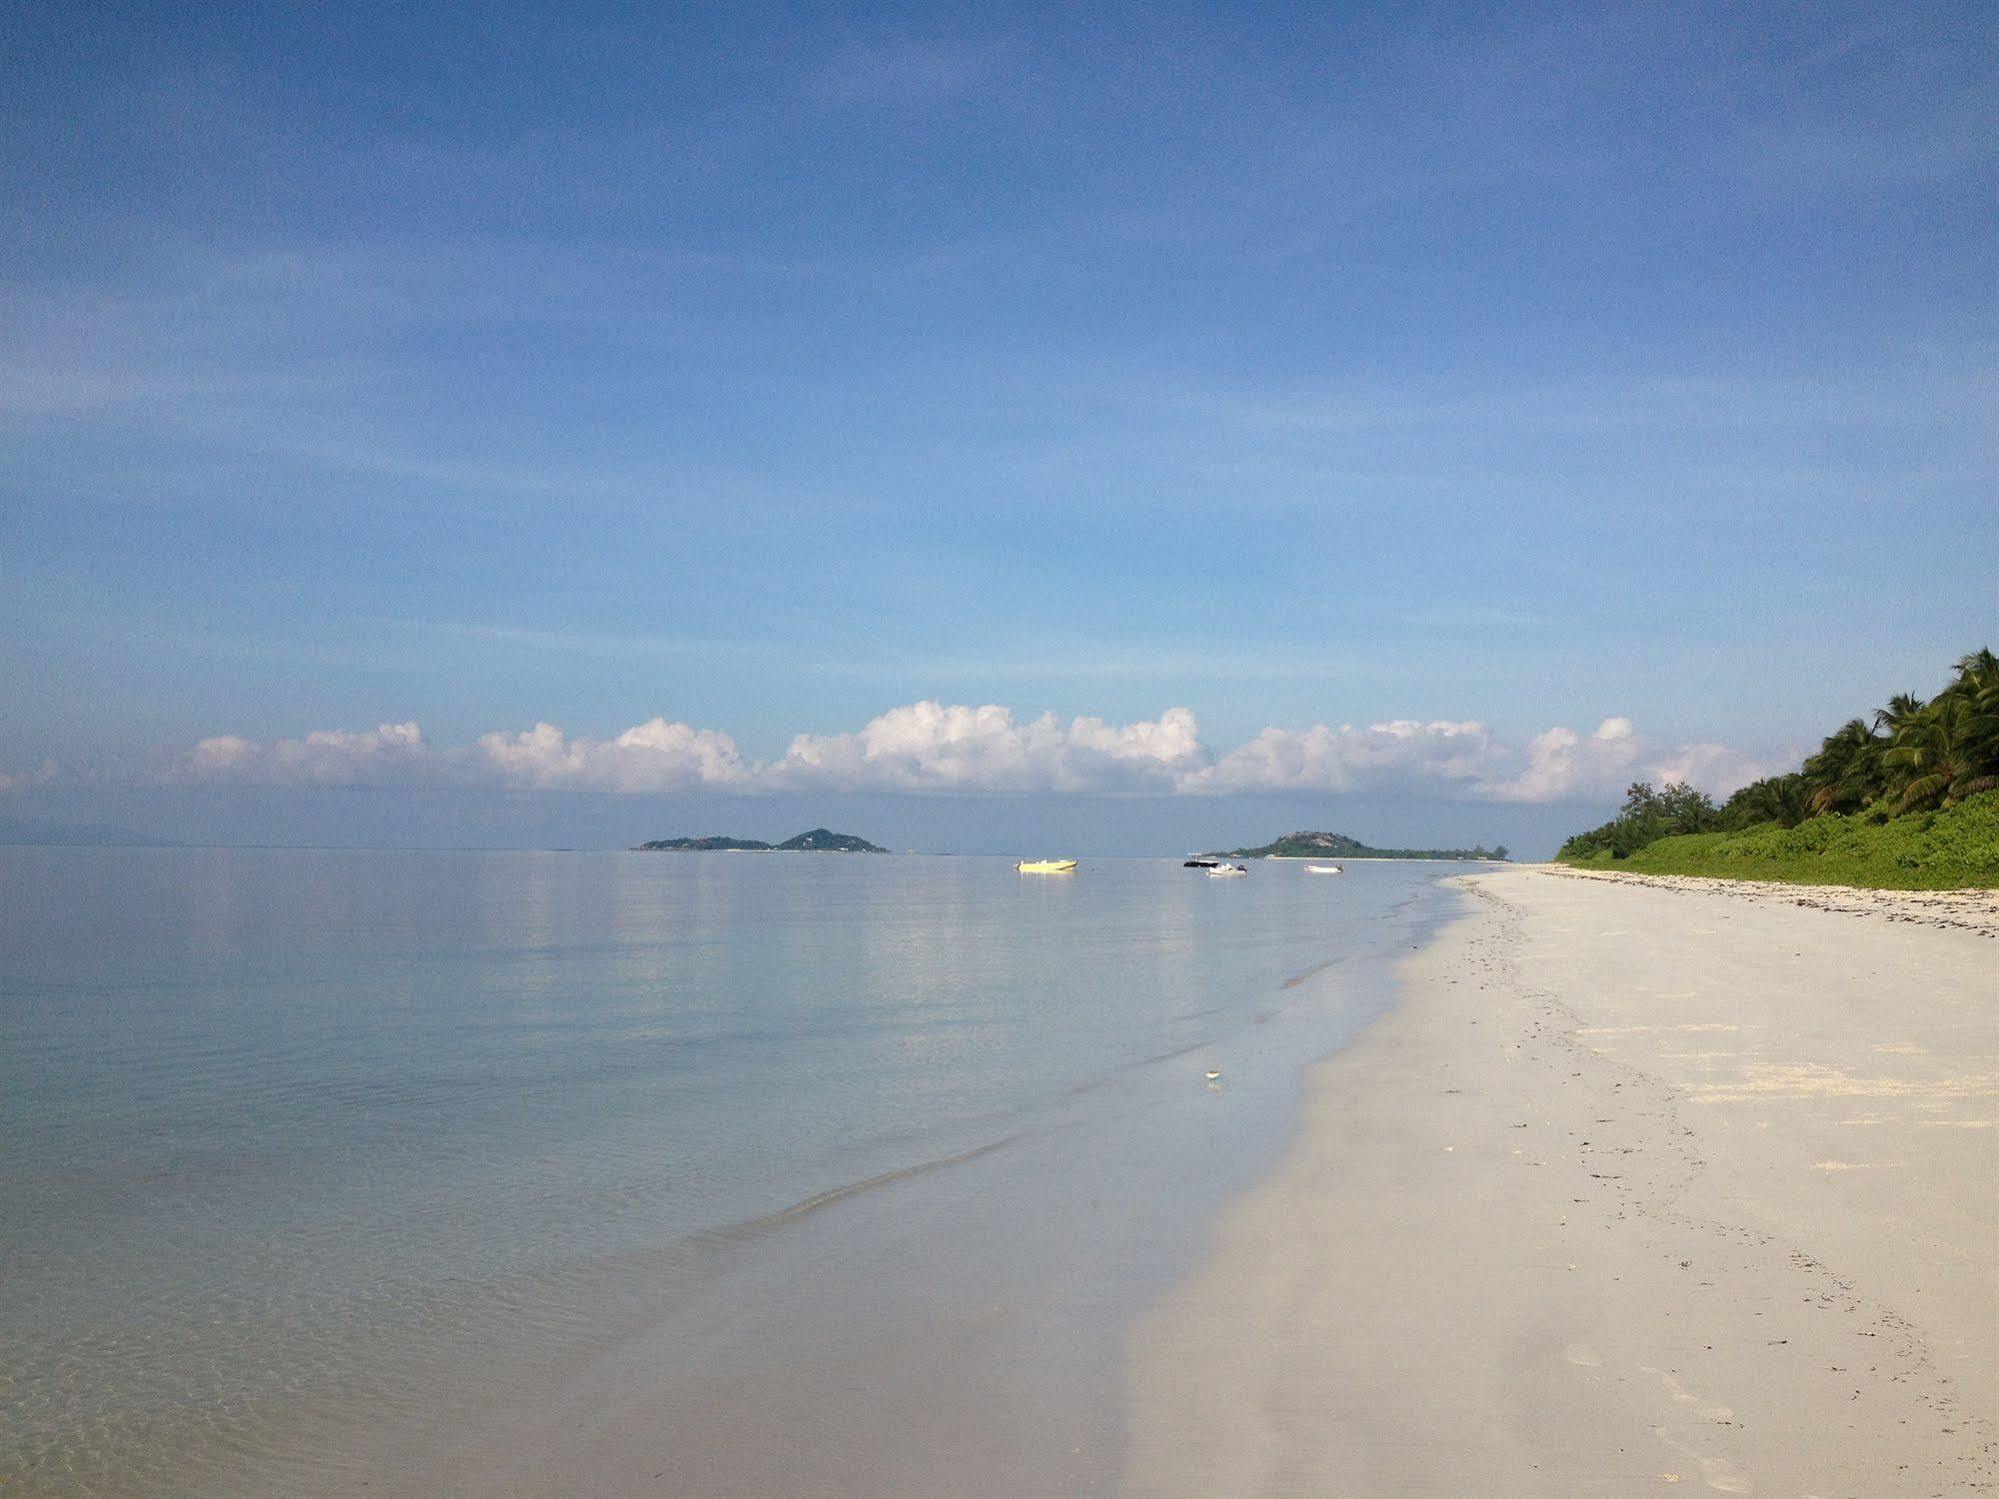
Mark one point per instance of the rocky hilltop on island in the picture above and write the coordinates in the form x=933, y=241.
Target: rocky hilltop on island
x=817, y=841
x=1306, y=845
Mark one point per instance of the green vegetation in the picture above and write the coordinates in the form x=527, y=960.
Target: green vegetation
x=1906, y=801
x=1953, y=849
x=1340, y=846
x=817, y=841
x=824, y=841
x=705, y=846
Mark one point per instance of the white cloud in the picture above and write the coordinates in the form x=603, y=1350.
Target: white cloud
x=937, y=747
x=1561, y=765
x=929, y=746
x=387, y=754
x=1716, y=769
x=653, y=756
x=1401, y=752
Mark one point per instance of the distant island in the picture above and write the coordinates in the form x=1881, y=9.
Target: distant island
x=818, y=841
x=1340, y=846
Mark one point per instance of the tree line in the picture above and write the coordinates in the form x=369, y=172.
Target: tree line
x=1913, y=755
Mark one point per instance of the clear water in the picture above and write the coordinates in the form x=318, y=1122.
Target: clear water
x=316, y=1164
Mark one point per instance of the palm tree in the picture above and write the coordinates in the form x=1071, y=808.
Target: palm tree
x=1981, y=666
x=1784, y=800
x=1978, y=679
x=1845, y=773
x=1942, y=755
x=1902, y=707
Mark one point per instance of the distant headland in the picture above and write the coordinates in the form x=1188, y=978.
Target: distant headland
x=817, y=841
x=1340, y=846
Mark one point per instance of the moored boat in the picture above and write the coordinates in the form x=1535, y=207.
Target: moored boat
x=1228, y=871
x=1324, y=869
x=1046, y=866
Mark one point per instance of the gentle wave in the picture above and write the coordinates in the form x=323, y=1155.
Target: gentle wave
x=281, y=1178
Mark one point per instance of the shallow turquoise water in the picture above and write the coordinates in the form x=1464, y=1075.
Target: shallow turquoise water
x=302, y=1144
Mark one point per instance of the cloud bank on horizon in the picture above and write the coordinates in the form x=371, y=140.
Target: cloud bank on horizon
x=935, y=748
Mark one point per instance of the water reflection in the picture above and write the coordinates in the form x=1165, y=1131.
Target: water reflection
x=289, y=1132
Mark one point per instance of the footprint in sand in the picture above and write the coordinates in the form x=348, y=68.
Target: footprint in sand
x=1717, y=1473
x=1722, y=1474
x=1582, y=1353
x=1683, y=1396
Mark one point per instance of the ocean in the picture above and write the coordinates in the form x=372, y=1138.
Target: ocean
x=479, y=1172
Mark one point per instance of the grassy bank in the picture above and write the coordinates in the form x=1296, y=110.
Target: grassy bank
x=1953, y=849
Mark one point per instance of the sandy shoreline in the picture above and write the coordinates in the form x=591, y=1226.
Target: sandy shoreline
x=1645, y=1185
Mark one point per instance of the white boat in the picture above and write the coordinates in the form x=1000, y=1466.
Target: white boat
x=1324, y=869
x=1228, y=872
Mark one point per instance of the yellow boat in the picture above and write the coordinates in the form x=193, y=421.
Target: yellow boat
x=1046, y=866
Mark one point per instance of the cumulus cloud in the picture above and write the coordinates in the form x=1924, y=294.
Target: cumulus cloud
x=928, y=746
x=1562, y=765
x=653, y=756
x=1717, y=769
x=1399, y=752
x=388, y=754
x=943, y=748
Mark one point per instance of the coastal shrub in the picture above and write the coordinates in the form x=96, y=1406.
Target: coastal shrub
x=1915, y=758
x=1953, y=849
x=1784, y=800
x=1647, y=816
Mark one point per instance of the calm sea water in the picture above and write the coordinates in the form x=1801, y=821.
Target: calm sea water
x=331, y=1168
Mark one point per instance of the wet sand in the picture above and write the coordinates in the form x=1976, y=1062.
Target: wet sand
x=1646, y=1187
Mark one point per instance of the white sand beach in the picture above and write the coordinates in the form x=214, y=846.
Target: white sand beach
x=1646, y=1187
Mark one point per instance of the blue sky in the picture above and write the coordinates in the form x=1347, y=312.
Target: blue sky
x=767, y=371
